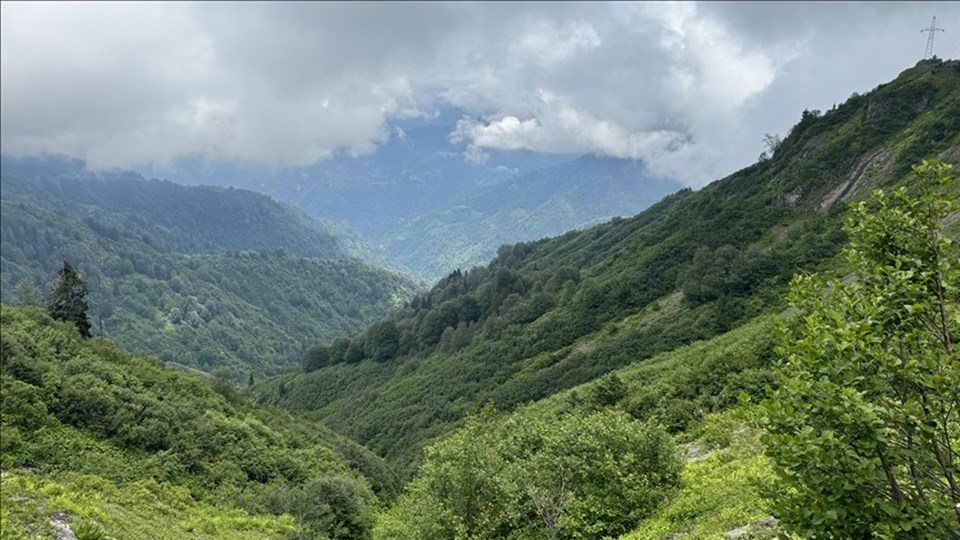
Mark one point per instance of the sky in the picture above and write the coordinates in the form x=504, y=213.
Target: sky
x=689, y=88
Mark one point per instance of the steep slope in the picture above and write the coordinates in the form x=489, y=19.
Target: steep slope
x=187, y=219
x=690, y=267
x=249, y=311
x=541, y=203
x=735, y=478
x=118, y=446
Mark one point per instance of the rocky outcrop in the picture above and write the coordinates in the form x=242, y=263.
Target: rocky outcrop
x=765, y=528
x=61, y=527
x=873, y=163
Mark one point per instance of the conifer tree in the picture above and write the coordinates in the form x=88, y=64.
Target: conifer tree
x=68, y=302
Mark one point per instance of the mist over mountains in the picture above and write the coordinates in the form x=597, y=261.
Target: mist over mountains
x=428, y=205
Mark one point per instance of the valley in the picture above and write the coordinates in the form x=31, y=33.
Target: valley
x=380, y=295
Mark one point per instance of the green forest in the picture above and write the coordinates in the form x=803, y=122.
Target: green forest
x=773, y=355
x=254, y=285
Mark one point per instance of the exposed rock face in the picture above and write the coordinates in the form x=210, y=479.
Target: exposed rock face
x=873, y=163
x=789, y=200
x=697, y=452
x=951, y=155
x=876, y=109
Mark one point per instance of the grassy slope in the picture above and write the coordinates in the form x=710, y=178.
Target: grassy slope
x=148, y=452
x=721, y=482
x=144, y=509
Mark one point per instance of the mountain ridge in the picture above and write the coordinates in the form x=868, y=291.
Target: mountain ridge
x=190, y=219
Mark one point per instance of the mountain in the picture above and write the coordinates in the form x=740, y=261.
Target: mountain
x=416, y=170
x=205, y=278
x=197, y=219
x=598, y=384
x=548, y=315
x=545, y=202
x=420, y=201
x=105, y=444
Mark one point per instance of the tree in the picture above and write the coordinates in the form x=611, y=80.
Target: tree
x=864, y=427
x=68, y=302
x=458, y=492
x=771, y=142
x=526, y=476
x=334, y=507
x=224, y=384
x=711, y=275
x=316, y=357
x=383, y=341
x=608, y=391
x=586, y=475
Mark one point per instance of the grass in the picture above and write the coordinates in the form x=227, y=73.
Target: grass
x=719, y=493
x=97, y=508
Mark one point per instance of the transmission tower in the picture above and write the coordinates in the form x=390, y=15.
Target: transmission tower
x=933, y=31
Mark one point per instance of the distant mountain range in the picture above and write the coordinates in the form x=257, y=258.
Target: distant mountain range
x=429, y=209
x=545, y=202
x=204, y=277
x=200, y=219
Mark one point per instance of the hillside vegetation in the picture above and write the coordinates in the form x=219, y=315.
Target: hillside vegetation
x=187, y=219
x=120, y=446
x=548, y=315
x=540, y=203
x=166, y=276
x=854, y=437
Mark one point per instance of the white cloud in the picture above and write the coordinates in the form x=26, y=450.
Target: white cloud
x=690, y=88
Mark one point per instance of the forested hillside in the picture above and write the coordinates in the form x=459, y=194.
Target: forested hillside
x=116, y=446
x=201, y=277
x=797, y=425
x=548, y=315
x=187, y=219
x=247, y=311
x=541, y=203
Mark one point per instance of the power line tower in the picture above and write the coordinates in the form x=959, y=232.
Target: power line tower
x=933, y=31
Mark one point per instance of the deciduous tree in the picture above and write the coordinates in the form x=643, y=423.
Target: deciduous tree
x=863, y=430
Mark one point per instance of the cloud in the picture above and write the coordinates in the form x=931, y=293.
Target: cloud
x=689, y=88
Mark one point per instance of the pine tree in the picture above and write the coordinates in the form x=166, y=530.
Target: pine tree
x=67, y=301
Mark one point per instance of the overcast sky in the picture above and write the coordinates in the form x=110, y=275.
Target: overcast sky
x=690, y=88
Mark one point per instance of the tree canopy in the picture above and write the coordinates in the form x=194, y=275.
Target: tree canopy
x=583, y=475
x=865, y=424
